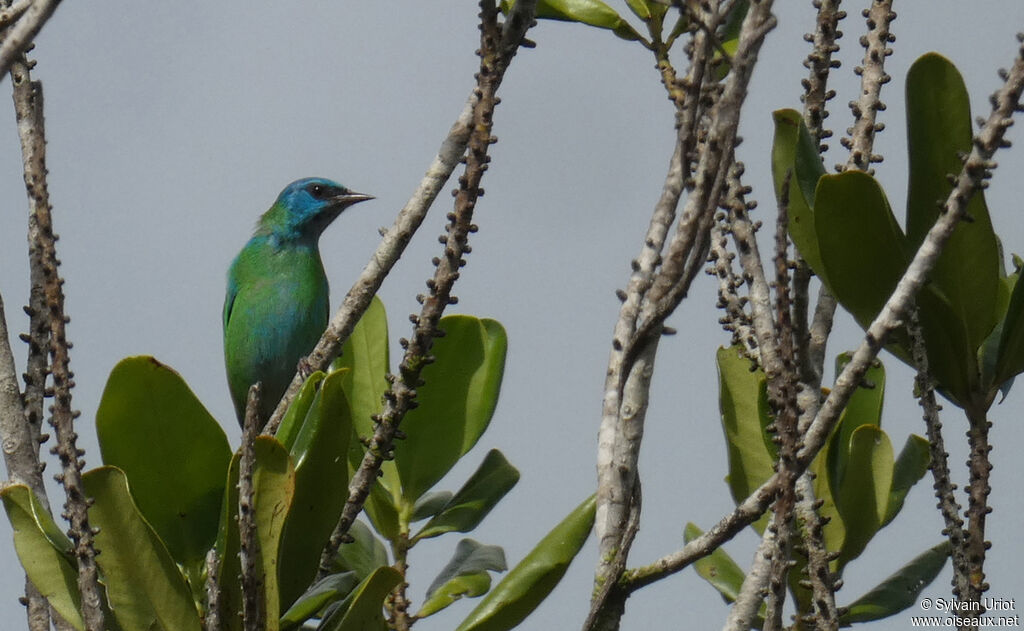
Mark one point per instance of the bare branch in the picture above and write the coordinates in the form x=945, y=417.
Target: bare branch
x=253, y=582
x=212, y=620
x=18, y=38
x=873, y=76
x=745, y=608
x=819, y=62
x=401, y=397
x=924, y=385
x=29, y=111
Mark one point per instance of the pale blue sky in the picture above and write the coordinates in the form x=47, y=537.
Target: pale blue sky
x=172, y=126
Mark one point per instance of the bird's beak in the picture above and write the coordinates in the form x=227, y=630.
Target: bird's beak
x=349, y=198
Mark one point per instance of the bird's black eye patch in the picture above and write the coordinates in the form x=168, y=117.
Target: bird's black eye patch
x=324, y=191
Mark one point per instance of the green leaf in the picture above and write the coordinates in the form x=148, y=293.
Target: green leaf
x=1010, y=360
x=466, y=574
x=795, y=155
x=910, y=467
x=864, y=408
x=640, y=8
x=273, y=489
x=455, y=404
x=861, y=245
x=718, y=568
x=320, y=457
x=938, y=130
x=489, y=483
x=863, y=495
x=44, y=552
x=364, y=554
x=175, y=455
x=297, y=411
x=743, y=402
x=326, y=591
x=366, y=604
x=590, y=12
x=529, y=582
x=899, y=591
x=365, y=354
x=952, y=361
x=430, y=504
x=145, y=588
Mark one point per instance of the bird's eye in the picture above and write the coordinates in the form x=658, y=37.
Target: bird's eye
x=317, y=191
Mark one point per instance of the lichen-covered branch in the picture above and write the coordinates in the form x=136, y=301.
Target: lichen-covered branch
x=872, y=77
x=402, y=394
x=745, y=608
x=211, y=622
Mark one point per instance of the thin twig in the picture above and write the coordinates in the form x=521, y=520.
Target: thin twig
x=401, y=397
x=873, y=76
x=818, y=63
x=745, y=608
x=924, y=386
x=253, y=582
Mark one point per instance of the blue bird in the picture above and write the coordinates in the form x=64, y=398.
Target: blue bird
x=277, y=303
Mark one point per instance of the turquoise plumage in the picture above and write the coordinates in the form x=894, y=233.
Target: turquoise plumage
x=277, y=303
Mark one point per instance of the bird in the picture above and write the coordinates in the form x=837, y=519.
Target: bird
x=277, y=301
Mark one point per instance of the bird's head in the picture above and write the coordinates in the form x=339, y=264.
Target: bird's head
x=307, y=206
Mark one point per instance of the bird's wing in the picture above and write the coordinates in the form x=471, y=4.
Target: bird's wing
x=229, y=300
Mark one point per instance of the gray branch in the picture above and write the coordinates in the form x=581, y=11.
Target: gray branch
x=253, y=583
x=873, y=76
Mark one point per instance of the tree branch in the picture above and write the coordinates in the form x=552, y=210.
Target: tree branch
x=873, y=76
x=495, y=57
x=18, y=38
x=253, y=583
x=971, y=178
x=29, y=111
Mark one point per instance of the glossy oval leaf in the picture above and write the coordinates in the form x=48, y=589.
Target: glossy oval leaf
x=718, y=568
x=861, y=245
x=430, y=504
x=489, y=483
x=938, y=130
x=320, y=457
x=365, y=355
x=590, y=12
x=466, y=575
x=175, y=455
x=952, y=361
x=899, y=591
x=365, y=609
x=295, y=416
x=273, y=487
x=743, y=402
x=455, y=404
x=530, y=582
x=144, y=586
x=794, y=155
x=1010, y=358
x=326, y=591
x=863, y=496
x=910, y=467
x=864, y=408
x=44, y=552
